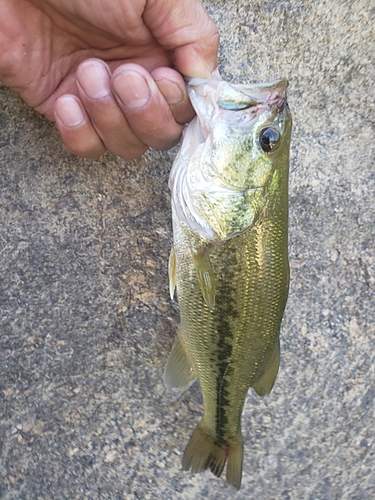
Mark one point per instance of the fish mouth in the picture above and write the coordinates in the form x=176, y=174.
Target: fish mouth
x=261, y=91
x=242, y=96
x=276, y=101
x=261, y=97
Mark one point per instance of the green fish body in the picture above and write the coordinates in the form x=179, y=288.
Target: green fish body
x=229, y=260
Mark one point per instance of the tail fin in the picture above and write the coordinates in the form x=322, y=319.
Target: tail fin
x=203, y=451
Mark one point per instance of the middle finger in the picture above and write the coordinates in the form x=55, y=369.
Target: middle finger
x=145, y=108
x=94, y=85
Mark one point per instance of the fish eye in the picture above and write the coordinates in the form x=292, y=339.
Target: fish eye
x=269, y=139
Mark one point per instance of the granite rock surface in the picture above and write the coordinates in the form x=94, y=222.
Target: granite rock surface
x=86, y=323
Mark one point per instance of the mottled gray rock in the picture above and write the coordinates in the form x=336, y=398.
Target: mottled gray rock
x=86, y=322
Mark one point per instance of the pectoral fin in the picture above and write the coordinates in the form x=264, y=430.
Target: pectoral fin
x=172, y=272
x=205, y=274
x=179, y=373
x=264, y=385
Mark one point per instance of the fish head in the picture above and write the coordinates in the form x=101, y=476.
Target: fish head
x=237, y=145
x=246, y=130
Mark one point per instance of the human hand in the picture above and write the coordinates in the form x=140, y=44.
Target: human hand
x=102, y=69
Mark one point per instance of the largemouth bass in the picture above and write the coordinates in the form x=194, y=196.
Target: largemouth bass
x=229, y=260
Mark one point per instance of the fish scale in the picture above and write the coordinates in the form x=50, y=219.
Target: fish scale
x=231, y=270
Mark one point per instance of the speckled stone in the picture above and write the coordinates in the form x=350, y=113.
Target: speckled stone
x=86, y=321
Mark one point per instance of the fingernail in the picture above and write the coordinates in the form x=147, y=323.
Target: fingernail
x=94, y=79
x=69, y=111
x=132, y=89
x=170, y=90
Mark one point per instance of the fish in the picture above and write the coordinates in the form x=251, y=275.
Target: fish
x=229, y=260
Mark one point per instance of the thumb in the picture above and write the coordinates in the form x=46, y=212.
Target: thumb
x=185, y=29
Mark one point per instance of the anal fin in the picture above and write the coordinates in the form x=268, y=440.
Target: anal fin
x=264, y=385
x=205, y=274
x=179, y=373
